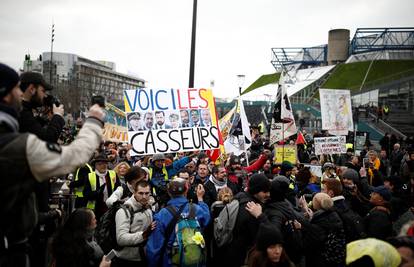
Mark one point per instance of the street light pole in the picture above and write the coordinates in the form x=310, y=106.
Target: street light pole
x=51, y=53
x=193, y=43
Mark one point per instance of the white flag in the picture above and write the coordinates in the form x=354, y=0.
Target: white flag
x=239, y=138
x=283, y=122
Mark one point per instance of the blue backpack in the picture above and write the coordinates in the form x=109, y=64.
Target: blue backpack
x=189, y=249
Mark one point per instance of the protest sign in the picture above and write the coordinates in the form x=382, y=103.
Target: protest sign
x=171, y=120
x=336, y=111
x=330, y=145
x=285, y=153
x=314, y=169
x=115, y=127
x=115, y=133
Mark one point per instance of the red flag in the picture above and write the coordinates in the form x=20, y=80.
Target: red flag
x=300, y=140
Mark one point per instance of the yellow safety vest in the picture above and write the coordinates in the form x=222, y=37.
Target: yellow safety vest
x=93, y=181
x=79, y=190
x=164, y=171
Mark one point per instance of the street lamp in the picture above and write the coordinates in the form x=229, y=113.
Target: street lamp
x=240, y=81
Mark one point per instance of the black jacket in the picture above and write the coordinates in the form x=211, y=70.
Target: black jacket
x=378, y=223
x=316, y=232
x=244, y=232
x=279, y=213
x=28, y=123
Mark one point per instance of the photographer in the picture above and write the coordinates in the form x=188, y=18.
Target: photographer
x=34, y=89
x=25, y=161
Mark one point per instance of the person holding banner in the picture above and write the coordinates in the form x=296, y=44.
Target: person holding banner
x=160, y=174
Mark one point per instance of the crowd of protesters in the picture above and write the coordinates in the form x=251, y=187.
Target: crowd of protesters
x=358, y=211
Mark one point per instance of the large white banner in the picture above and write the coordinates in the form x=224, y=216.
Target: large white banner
x=330, y=145
x=171, y=120
x=336, y=111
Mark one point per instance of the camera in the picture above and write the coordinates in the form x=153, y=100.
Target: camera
x=49, y=100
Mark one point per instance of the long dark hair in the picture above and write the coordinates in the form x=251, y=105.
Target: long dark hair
x=258, y=258
x=69, y=245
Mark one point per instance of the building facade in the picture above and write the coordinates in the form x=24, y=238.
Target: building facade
x=76, y=79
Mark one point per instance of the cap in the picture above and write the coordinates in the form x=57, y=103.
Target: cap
x=328, y=165
x=134, y=116
x=100, y=158
x=177, y=186
x=158, y=157
x=267, y=236
x=258, y=183
x=35, y=78
x=8, y=79
x=383, y=191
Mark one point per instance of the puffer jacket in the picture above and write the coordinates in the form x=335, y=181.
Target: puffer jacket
x=129, y=235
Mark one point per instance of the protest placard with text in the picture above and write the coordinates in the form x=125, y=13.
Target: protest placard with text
x=171, y=120
x=330, y=145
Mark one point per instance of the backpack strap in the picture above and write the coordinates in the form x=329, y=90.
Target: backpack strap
x=170, y=228
x=128, y=209
x=191, y=211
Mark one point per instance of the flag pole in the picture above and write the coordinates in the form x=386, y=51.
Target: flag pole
x=244, y=138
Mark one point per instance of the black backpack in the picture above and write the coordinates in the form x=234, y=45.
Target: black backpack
x=353, y=224
x=105, y=233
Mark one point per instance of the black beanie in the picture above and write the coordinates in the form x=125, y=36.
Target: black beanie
x=8, y=79
x=267, y=236
x=278, y=189
x=258, y=183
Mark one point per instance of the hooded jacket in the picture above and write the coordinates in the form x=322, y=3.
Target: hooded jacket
x=244, y=232
x=316, y=233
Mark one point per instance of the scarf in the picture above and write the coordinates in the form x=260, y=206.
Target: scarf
x=102, y=182
x=218, y=184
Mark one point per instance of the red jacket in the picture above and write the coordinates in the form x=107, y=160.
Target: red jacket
x=257, y=165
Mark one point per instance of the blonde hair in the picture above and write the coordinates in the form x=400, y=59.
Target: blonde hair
x=116, y=169
x=322, y=201
x=225, y=195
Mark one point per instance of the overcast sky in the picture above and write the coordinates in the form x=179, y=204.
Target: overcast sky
x=151, y=38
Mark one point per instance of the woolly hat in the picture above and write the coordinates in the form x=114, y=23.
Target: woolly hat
x=258, y=183
x=35, y=78
x=8, y=79
x=158, y=157
x=350, y=174
x=286, y=166
x=381, y=252
x=268, y=235
x=278, y=188
x=234, y=160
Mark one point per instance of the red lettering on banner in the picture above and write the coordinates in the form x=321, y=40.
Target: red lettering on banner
x=190, y=98
x=179, y=100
